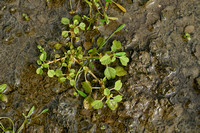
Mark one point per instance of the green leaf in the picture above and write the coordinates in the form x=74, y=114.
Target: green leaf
x=82, y=26
x=31, y=111
x=100, y=40
x=110, y=73
x=58, y=73
x=116, y=46
x=64, y=64
x=76, y=30
x=124, y=60
x=3, y=98
x=106, y=92
x=117, y=98
x=93, y=51
x=120, y=53
x=72, y=82
x=72, y=70
x=65, y=33
x=76, y=22
x=58, y=45
x=72, y=75
x=3, y=87
x=86, y=86
x=57, y=56
x=87, y=103
x=39, y=62
x=105, y=60
x=120, y=71
x=51, y=73
x=43, y=56
x=112, y=104
x=77, y=17
x=65, y=21
x=109, y=1
x=118, y=85
x=44, y=111
x=106, y=18
x=39, y=46
x=45, y=65
x=113, y=59
x=62, y=79
x=81, y=93
x=97, y=104
x=120, y=27
x=39, y=71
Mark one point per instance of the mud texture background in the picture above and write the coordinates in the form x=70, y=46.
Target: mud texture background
x=162, y=88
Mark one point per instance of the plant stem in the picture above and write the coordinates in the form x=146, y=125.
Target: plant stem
x=54, y=61
x=10, y=121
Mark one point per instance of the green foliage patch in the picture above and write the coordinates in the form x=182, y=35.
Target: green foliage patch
x=76, y=61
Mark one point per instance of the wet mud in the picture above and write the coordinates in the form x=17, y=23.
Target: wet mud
x=161, y=90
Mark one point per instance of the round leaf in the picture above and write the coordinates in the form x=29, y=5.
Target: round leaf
x=82, y=26
x=39, y=71
x=76, y=22
x=105, y=60
x=110, y=73
x=106, y=92
x=112, y=104
x=58, y=45
x=116, y=46
x=77, y=17
x=118, y=85
x=97, y=104
x=87, y=102
x=3, y=98
x=120, y=71
x=46, y=65
x=62, y=79
x=124, y=60
x=51, y=73
x=117, y=98
x=65, y=21
x=58, y=73
x=43, y=56
x=76, y=30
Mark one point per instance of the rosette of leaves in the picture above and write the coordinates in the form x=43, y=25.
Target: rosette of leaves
x=75, y=27
x=111, y=57
x=111, y=100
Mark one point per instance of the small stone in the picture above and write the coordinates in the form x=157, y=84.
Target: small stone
x=189, y=29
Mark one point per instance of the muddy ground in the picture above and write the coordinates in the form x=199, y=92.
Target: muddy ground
x=161, y=90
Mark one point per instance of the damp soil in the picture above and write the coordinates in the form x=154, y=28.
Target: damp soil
x=161, y=90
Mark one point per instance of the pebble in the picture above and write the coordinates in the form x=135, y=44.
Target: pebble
x=189, y=29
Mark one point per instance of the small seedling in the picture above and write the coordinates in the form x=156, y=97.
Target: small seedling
x=26, y=17
x=27, y=120
x=74, y=61
x=187, y=36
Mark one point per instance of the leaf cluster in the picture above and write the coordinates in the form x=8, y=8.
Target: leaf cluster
x=74, y=61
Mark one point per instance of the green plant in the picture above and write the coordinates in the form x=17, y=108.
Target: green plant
x=26, y=121
x=3, y=97
x=97, y=12
x=187, y=36
x=25, y=16
x=74, y=62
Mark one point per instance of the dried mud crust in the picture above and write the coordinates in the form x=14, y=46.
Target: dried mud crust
x=161, y=91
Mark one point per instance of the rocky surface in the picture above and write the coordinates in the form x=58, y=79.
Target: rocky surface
x=162, y=88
